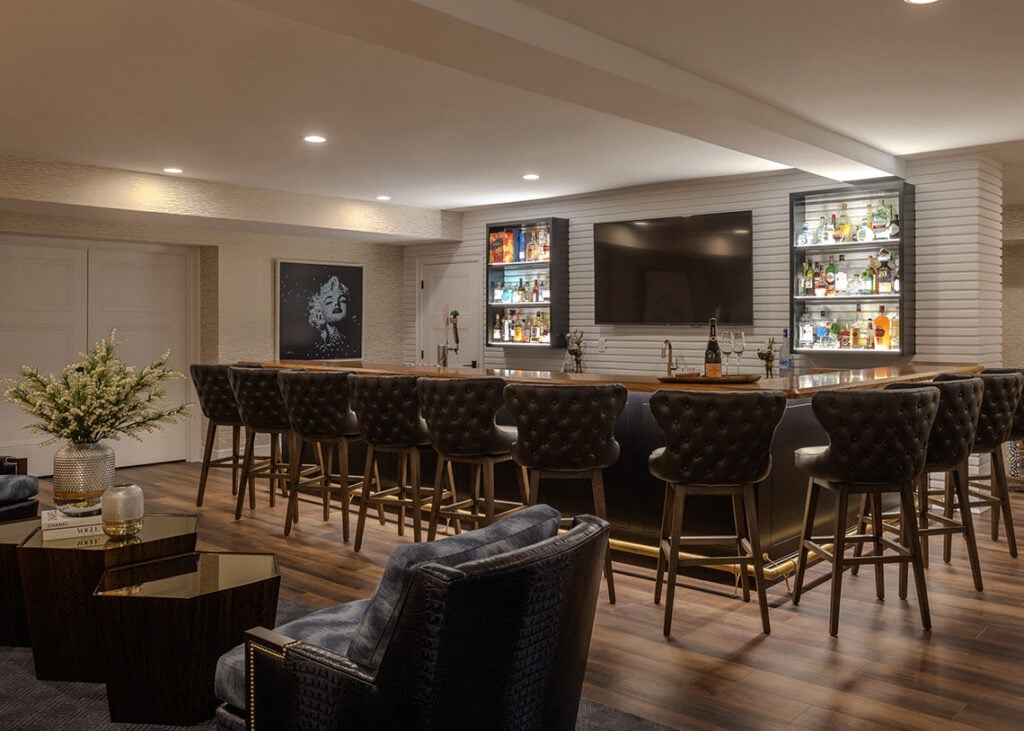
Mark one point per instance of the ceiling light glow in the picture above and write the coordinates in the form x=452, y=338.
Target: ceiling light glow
x=315, y=138
x=174, y=171
x=531, y=176
x=383, y=197
x=920, y=2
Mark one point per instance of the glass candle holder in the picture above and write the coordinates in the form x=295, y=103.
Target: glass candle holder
x=122, y=510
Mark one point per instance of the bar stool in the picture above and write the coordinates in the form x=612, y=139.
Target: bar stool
x=262, y=410
x=460, y=415
x=995, y=425
x=320, y=412
x=565, y=433
x=388, y=410
x=877, y=444
x=217, y=401
x=716, y=443
x=949, y=445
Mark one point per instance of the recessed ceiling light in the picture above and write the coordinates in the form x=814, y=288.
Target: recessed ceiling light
x=531, y=176
x=174, y=171
x=920, y=2
x=383, y=197
x=315, y=138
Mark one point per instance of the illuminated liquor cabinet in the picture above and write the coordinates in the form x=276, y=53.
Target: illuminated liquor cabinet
x=527, y=283
x=874, y=245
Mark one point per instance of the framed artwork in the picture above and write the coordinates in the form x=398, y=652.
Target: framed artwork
x=319, y=311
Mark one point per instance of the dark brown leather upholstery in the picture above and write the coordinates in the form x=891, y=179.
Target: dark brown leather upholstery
x=998, y=407
x=715, y=438
x=1017, y=431
x=565, y=427
x=388, y=409
x=259, y=398
x=216, y=397
x=875, y=436
x=956, y=422
x=445, y=665
x=460, y=413
x=318, y=404
x=878, y=443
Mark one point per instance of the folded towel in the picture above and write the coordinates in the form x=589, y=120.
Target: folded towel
x=15, y=488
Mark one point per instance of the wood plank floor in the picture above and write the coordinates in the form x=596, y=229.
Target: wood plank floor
x=717, y=670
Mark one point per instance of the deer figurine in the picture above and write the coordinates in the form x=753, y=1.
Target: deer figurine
x=575, y=348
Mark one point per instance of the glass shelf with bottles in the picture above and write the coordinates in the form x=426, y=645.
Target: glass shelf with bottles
x=848, y=327
x=527, y=325
x=521, y=290
x=519, y=244
x=859, y=222
x=872, y=276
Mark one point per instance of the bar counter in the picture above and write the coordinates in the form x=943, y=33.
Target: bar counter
x=634, y=497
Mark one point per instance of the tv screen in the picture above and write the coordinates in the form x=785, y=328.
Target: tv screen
x=679, y=270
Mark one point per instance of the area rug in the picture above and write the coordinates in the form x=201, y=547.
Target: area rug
x=27, y=704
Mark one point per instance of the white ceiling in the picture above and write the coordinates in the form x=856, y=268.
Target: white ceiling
x=444, y=104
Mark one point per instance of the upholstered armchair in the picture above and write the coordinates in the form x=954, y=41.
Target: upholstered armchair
x=17, y=490
x=485, y=630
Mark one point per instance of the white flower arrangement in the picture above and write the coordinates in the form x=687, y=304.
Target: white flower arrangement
x=99, y=397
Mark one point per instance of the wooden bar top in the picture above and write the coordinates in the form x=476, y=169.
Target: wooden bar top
x=798, y=386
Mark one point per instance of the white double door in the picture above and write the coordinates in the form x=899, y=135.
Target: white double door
x=59, y=297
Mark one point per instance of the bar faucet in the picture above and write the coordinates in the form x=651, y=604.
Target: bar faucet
x=666, y=349
x=443, y=350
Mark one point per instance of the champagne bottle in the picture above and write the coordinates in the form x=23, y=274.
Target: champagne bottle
x=713, y=353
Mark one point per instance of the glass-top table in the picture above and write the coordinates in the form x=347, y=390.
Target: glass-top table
x=156, y=527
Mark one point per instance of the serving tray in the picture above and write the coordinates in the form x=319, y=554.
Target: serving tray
x=741, y=378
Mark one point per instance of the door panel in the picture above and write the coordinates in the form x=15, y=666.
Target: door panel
x=447, y=287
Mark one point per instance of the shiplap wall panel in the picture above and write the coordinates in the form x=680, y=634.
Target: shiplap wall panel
x=959, y=264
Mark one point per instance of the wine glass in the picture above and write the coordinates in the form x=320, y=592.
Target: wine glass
x=739, y=345
x=726, y=346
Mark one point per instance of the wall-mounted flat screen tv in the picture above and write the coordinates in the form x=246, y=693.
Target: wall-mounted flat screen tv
x=673, y=271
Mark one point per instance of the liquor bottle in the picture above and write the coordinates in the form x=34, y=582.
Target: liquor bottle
x=506, y=328
x=895, y=275
x=521, y=251
x=873, y=263
x=821, y=330
x=544, y=238
x=804, y=237
x=884, y=280
x=521, y=292
x=842, y=276
x=865, y=232
x=869, y=335
x=713, y=352
x=545, y=291
x=867, y=280
x=857, y=330
x=819, y=281
x=844, y=336
x=819, y=232
x=880, y=220
x=536, y=291
x=533, y=248
x=837, y=231
x=830, y=228
x=894, y=225
x=806, y=330
x=894, y=331
x=830, y=276
x=844, y=224
x=799, y=289
x=517, y=332
x=882, y=331
x=808, y=278
x=785, y=355
x=497, y=289
x=535, y=330
x=496, y=330
x=506, y=294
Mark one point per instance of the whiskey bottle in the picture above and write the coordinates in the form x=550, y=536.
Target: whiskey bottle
x=857, y=330
x=837, y=231
x=842, y=276
x=496, y=330
x=819, y=281
x=844, y=224
x=884, y=280
x=844, y=336
x=894, y=331
x=536, y=291
x=713, y=352
x=882, y=332
x=894, y=225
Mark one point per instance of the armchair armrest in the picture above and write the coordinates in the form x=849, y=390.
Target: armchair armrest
x=292, y=684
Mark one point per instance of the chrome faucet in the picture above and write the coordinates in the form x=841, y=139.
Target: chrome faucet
x=666, y=349
x=450, y=320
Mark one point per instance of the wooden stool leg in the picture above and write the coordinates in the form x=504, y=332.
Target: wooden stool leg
x=838, y=554
x=247, y=480
x=294, y=467
x=368, y=472
x=380, y=486
x=947, y=511
x=275, y=456
x=534, y=485
x=675, y=530
x=862, y=528
x=914, y=543
x=417, y=505
x=236, y=433
x=597, y=485
x=211, y=431
x=403, y=473
x=810, y=508
x=524, y=485
x=666, y=534
x=922, y=514
x=739, y=521
x=754, y=538
x=999, y=479
x=451, y=485
x=959, y=478
x=343, y=481
x=488, y=475
x=876, y=532
x=435, y=504
x=327, y=469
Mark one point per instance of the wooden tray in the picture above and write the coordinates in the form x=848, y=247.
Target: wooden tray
x=742, y=378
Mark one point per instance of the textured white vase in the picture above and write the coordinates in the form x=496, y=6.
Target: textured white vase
x=81, y=474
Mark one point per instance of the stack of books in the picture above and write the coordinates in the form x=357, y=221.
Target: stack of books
x=56, y=525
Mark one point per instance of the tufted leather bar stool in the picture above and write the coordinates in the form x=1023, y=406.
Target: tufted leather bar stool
x=262, y=410
x=949, y=446
x=217, y=401
x=716, y=443
x=320, y=412
x=460, y=415
x=878, y=442
x=388, y=410
x=999, y=412
x=566, y=433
